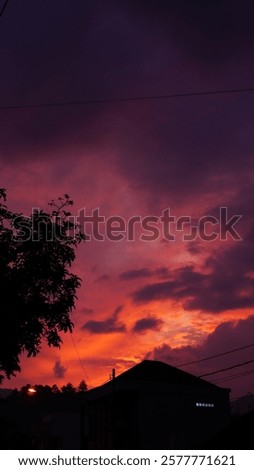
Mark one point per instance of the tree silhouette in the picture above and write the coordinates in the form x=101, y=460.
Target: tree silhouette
x=37, y=289
x=82, y=387
x=68, y=389
x=55, y=389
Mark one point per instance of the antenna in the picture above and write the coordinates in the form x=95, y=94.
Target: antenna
x=112, y=375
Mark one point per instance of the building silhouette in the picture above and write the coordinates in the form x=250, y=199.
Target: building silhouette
x=154, y=406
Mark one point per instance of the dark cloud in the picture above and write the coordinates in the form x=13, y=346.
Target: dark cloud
x=103, y=278
x=147, y=323
x=187, y=152
x=87, y=311
x=162, y=272
x=193, y=141
x=174, y=147
x=110, y=325
x=59, y=56
x=227, y=336
x=134, y=274
x=209, y=31
x=118, y=310
x=174, y=356
x=184, y=282
x=225, y=281
x=59, y=370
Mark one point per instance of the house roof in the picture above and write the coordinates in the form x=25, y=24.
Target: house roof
x=160, y=372
x=157, y=371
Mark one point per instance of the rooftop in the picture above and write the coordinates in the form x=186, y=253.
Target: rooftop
x=161, y=373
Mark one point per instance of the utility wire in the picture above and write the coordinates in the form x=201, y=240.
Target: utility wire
x=235, y=376
x=216, y=355
x=3, y=7
x=125, y=99
x=79, y=358
x=227, y=368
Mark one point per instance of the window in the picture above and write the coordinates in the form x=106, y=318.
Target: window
x=205, y=405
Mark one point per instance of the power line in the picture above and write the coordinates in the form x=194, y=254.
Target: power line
x=125, y=99
x=3, y=7
x=216, y=355
x=227, y=368
x=79, y=358
x=235, y=376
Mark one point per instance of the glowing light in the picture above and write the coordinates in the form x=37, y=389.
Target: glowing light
x=205, y=405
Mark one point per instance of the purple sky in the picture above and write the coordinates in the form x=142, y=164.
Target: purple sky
x=180, y=300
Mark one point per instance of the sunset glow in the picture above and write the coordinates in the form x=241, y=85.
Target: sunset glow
x=176, y=300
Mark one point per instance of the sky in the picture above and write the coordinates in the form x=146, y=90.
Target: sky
x=177, y=292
